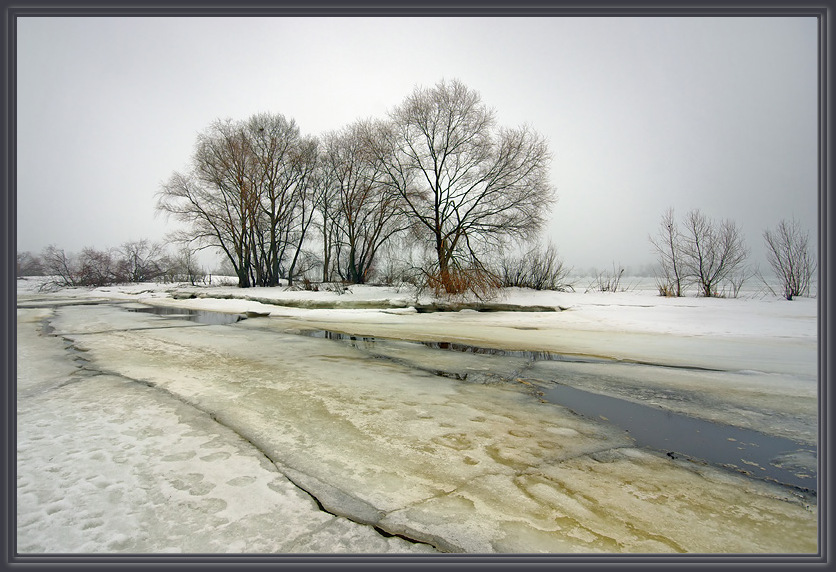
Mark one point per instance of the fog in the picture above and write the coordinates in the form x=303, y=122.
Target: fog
x=641, y=114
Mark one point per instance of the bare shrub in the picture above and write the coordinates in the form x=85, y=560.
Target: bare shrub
x=309, y=286
x=733, y=284
x=136, y=261
x=98, y=268
x=59, y=267
x=140, y=261
x=608, y=280
x=537, y=268
x=338, y=288
x=459, y=281
x=666, y=288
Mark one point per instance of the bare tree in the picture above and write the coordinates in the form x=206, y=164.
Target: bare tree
x=711, y=252
x=212, y=219
x=734, y=282
x=668, y=246
x=468, y=184
x=282, y=163
x=294, y=260
x=248, y=194
x=397, y=266
x=326, y=204
x=222, y=190
x=140, y=260
x=182, y=266
x=98, y=268
x=59, y=267
x=366, y=212
x=788, y=253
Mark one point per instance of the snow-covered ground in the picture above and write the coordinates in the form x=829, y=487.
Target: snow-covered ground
x=171, y=435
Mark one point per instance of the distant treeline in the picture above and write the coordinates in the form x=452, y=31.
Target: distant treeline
x=133, y=261
x=702, y=255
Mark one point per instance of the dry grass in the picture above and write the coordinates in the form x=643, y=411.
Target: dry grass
x=477, y=281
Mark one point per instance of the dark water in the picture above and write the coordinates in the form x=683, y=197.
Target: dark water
x=478, y=350
x=199, y=316
x=527, y=355
x=370, y=341
x=744, y=450
x=757, y=454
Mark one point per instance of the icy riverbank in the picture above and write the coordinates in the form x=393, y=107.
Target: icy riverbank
x=465, y=465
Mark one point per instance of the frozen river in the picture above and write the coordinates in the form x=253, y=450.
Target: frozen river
x=455, y=432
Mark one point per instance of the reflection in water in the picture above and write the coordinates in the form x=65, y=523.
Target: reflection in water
x=457, y=347
x=199, y=316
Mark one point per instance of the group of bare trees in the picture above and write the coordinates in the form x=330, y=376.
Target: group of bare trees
x=711, y=255
x=133, y=261
x=437, y=172
x=702, y=252
x=358, y=210
x=250, y=192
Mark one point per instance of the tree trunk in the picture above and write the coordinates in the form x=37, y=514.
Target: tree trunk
x=326, y=258
x=444, y=275
x=243, y=277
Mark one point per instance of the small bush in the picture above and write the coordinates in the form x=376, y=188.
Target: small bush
x=538, y=269
x=608, y=281
x=338, y=288
x=666, y=289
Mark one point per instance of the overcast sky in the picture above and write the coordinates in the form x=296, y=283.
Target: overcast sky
x=641, y=114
